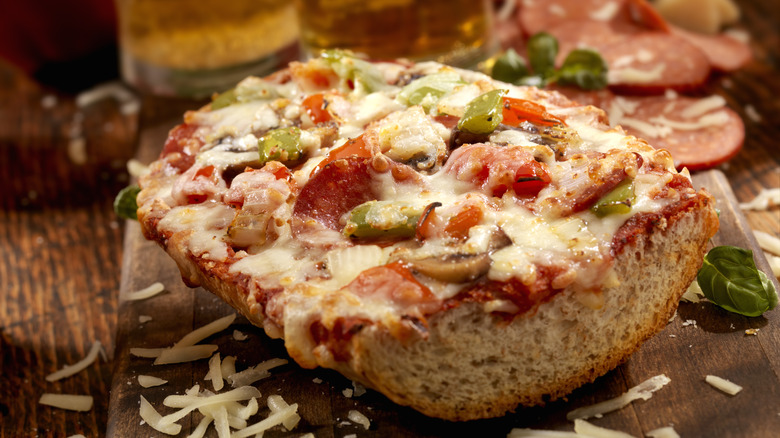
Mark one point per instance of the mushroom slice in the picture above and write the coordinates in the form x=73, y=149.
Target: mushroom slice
x=452, y=268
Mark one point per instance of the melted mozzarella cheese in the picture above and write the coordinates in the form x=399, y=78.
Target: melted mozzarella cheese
x=205, y=226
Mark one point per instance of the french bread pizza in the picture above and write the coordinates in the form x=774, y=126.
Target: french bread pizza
x=462, y=245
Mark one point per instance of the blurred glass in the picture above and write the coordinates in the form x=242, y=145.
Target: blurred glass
x=456, y=32
x=195, y=48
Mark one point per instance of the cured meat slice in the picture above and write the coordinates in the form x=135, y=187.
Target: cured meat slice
x=724, y=53
x=700, y=133
x=541, y=15
x=336, y=189
x=639, y=62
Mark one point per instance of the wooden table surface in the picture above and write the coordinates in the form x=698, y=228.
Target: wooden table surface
x=61, y=245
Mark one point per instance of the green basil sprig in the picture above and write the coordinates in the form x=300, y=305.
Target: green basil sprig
x=583, y=68
x=730, y=279
x=125, y=204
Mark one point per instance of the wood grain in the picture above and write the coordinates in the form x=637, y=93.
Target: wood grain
x=686, y=351
x=61, y=254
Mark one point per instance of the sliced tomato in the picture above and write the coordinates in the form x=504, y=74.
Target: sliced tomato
x=205, y=172
x=354, y=147
x=517, y=111
x=497, y=169
x=530, y=179
x=316, y=107
x=181, y=146
x=458, y=226
x=393, y=283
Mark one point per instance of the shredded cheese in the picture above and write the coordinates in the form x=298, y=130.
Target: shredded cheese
x=204, y=332
x=215, y=372
x=693, y=294
x=663, y=432
x=147, y=292
x=767, y=242
x=358, y=418
x=253, y=374
x=71, y=402
x=146, y=352
x=272, y=420
x=703, y=106
x=78, y=366
x=153, y=418
x=228, y=366
x=722, y=384
x=189, y=403
x=642, y=391
x=276, y=404
x=582, y=427
x=185, y=354
x=766, y=198
x=774, y=263
x=203, y=426
x=606, y=12
x=150, y=381
x=536, y=433
x=635, y=76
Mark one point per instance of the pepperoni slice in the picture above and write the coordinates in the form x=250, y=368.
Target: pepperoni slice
x=333, y=191
x=640, y=62
x=724, y=53
x=696, y=139
x=541, y=15
x=696, y=149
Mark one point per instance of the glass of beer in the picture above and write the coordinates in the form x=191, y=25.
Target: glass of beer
x=195, y=48
x=456, y=32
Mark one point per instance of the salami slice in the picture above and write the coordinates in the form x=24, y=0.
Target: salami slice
x=700, y=133
x=724, y=53
x=335, y=190
x=541, y=15
x=640, y=62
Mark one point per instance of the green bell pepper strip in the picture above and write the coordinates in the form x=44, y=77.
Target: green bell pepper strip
x=382, y=219
x=617, y=201
x=484, y=113
x=283, y=144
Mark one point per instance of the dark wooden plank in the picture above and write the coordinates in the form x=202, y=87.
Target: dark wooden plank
x=716, y=345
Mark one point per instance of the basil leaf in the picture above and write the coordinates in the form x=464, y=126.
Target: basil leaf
x=125, y=205
x=584, y=68
x=730, y=279
x=542, y=50
x=509, y=67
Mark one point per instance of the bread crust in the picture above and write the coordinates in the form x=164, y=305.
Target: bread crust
x=474, y=364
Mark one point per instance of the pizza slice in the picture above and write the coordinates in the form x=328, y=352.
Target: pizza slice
x=462, y=245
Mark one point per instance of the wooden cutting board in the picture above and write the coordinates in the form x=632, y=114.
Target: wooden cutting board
x=701, y=340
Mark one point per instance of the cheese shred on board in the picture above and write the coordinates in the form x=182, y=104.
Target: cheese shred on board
x=147, y=292
x=71, y=402
x=78, y=366
x=722, y=384
x=642, y=391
